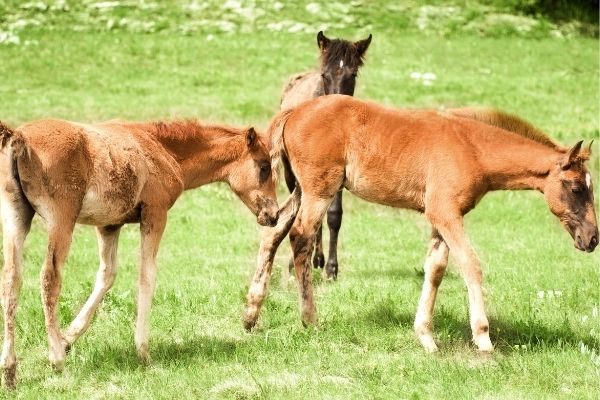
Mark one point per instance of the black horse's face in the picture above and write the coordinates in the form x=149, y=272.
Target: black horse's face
x=340, y=62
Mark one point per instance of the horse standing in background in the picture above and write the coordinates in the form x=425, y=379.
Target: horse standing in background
x=107, y=175
x=340, y=62
x=439, y=163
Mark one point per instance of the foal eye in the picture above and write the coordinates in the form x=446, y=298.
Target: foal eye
x=265, y=170
x=577, y=189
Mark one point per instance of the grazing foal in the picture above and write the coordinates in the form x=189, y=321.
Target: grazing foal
x=440, y=163
x=108, y=175
x=340, y=62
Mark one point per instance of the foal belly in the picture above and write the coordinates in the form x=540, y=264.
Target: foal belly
x=113, y=194
x=390, y=189
x=102, y=207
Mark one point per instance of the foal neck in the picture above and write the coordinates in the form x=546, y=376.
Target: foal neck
x=203, y=151
x=519, y=164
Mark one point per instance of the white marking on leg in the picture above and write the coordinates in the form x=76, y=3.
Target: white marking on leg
x=341, y=63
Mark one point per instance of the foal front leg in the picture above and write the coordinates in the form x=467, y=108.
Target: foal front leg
x=302, y=234
x=59, y=242
x=108, y=238
x=152, y=226
x=451, y=228
x=435, y=266
x=270, y=240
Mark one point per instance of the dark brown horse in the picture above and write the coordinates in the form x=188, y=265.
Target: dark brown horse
x=340, y=63
x=108, y=175
x=439, y=163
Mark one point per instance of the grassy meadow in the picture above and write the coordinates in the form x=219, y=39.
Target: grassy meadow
x=542, y=295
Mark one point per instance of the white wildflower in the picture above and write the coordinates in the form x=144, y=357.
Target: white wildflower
x=226, y=26
x=558, y=293
x=430, y=76
x=584, y=318
x=9, y=38
x=275, y=26
x=210, y=38
x=540, y=294
x=297, y=27
x=313, y=8
x=278, y=6
x=105, y=4
x=415, y=75
x=232, y=5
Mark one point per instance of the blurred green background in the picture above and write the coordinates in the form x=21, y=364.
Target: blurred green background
x=226, y=62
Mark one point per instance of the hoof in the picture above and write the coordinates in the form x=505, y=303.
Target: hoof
x=331, y=271
x=10, y=377
x=57, y=361
x=309, y=320
x=484, y=344
x=58, y=365
x=318, y=260
x=249, y=321
x=143, y=354
x=428, y=343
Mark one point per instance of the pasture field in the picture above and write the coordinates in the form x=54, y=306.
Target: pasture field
x=542, y=295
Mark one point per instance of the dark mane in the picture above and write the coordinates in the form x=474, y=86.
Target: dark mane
x=508, y=122
x=340, y=49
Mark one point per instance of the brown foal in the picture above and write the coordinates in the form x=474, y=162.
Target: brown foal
x=440, y=163
x=108, y=175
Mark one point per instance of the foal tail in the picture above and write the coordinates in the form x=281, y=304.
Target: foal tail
x=12, y=140
x=275, y=133
x=505, y=121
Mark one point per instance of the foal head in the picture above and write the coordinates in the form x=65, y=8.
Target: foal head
x=340, y=61
x=569, y=194
x=251, y=180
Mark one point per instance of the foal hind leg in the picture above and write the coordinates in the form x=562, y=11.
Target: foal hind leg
x=108, y=238
x=59, y=241
x=302, y=235
x=435, y=266
x=270, y=240
x=319, y=257
x=450, y=226
x=334, y=221
x=16, y=222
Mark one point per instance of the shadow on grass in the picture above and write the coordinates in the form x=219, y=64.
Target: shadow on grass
x=506, y=335
x=169, y=353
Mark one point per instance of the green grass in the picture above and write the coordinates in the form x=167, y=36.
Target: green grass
x=365, y=348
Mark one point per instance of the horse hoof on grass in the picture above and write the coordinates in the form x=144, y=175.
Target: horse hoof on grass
x=144, y=355
x=10, y=377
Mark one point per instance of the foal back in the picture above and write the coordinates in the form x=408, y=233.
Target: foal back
x=95, y=174
x=385, y=156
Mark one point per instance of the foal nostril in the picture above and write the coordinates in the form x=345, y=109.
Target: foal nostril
x=593, y=242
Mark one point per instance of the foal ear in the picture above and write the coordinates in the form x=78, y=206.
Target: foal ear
x=363, y=45
x=251, y=137
x=322, y=41
x=571, y=155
